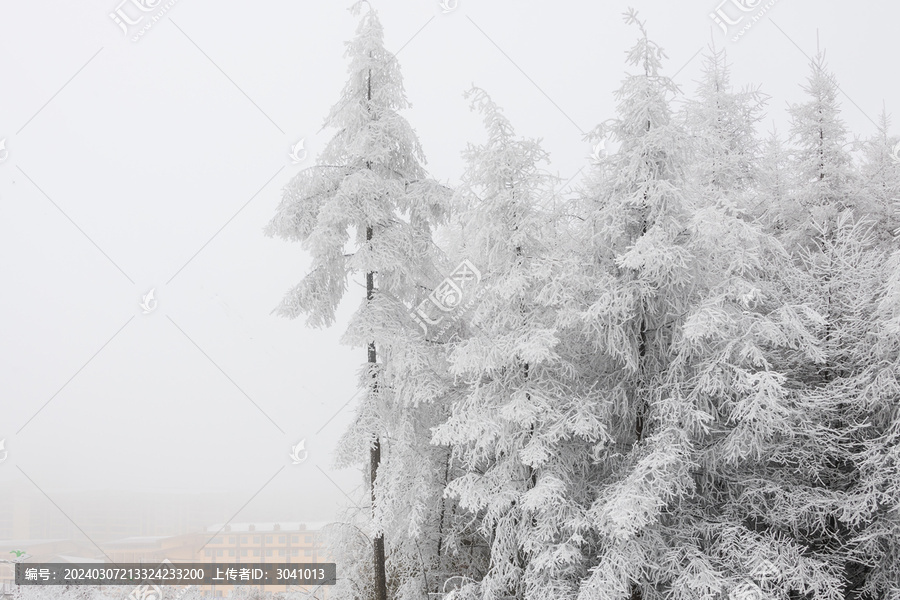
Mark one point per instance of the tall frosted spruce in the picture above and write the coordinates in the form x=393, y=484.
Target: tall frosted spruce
x=826, y=184
x=506, y=358
x=774, y=184
x=683, y=333
x=876, y=498
x=876, y=494
x=840, y=239
x=880, y=178
x=369, y=188
x=722, y=124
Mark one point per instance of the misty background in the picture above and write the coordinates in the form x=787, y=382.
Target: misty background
x=156, y=164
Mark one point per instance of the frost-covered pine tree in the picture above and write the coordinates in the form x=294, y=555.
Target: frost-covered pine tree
x=506, y=358
x=432, y=540
x=825, y=181
x=876, y=543
x=843, y=259
x=722, y=124
x=369, y=183
x=683, y=333
x=832, y=232
x=880, y=178
x=773, y=186
x=634, y=211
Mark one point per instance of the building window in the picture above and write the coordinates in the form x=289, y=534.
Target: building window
x=244, y=552
x=295, y=551
x=243, y=539
x=295, y=539
x=217, y=540
x=256, y=552
x=268, y=539
x=281, y=552
x=208, y=552
x=308, y=539
x=220, y=552
x=268, y=552
x=255, y=539
x=231, y=540
x=307, y=552
x=282, y=539
x=231, y=552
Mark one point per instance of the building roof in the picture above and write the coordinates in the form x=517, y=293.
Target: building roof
x=270, y=526
x=23, y=544
x=75, y=559
x=138, y=540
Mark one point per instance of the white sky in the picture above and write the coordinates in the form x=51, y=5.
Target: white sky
x=149, y=149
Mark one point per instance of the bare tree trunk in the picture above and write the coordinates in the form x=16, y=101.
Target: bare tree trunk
x=380, y=578
x=641, y=406
x=375, y=451
x=440, y=541
x=375, y=454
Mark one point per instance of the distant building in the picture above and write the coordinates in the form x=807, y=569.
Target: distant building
x=26, y=513
x=263, y=542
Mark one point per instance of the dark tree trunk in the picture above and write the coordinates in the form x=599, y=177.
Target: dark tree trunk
x=375, y=453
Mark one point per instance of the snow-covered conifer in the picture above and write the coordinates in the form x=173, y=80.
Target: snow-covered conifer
x=502, y=430
x=880, y=179
x=722, y=123
x=688, y=326
x=369, y=182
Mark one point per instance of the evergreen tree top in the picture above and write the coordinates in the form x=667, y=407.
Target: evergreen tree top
x=368, y=180
x=371, y=132
x=818, y=131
